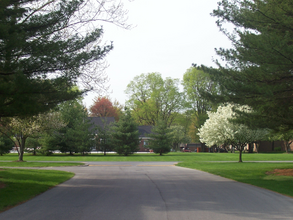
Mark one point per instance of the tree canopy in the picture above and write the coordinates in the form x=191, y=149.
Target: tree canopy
x=46, y=47
x=103, y=107
x=18, y=129
x=219, y=129
x=161, y=138
x=125, y=136
x=194, y=82
x=77, y=135
x=258, y=70
x=151, y=97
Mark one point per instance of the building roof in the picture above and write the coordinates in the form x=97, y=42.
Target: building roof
x=100, y=122
x=144, y=130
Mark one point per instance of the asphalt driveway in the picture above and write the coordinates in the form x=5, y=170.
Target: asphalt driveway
x=150, y=191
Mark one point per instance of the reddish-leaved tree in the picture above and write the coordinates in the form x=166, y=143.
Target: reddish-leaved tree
x=103, y=107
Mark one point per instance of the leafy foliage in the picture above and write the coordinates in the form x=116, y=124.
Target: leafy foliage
x=104, y=138
x=220, y=130
x=46, y=47
x=76, y=135
x=161, y=138
x=103, y=107
x=152, y=98
x=259, y=67
x=125, y=136
x=5, y=144
x=24, y=127
x=179, y=135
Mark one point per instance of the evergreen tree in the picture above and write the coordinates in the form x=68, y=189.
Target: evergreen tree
x=76, y=135
x=125, y=135
x=5, y=144
x=103, y=138
x=42, y=55
x=259, y=67
x=31, y=145
x=161, y=138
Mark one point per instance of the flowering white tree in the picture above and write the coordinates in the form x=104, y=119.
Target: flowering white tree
x=22, y=128
x=219, y=130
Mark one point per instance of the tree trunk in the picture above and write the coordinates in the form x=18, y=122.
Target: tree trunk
x=287, y=145
x=250, y=148
x=257, y=146
x=240, y=155
x=21, y=148
x=104, y=152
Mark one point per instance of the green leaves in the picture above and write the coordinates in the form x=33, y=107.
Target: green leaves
x=161, y=138
x=152, y=97
x=258, y=70
x=42, y=56
x=125, y=136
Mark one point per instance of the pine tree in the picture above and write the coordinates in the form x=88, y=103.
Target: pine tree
x=161, y=138
x=5, y=144
x=259, y=66
x=125, y=136
x=41, y=57
x=76, y=136
x=103, y=138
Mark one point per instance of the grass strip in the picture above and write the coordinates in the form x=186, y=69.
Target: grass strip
x=251, y=173
x=37, y=164
x=172, y=156
x=19, y=185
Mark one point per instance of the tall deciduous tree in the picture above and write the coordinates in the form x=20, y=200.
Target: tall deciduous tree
x=194, y=82
x=103, y=107
x=259, y=67
x=152, y=98
x=125, y=136
x=179, y=135
x=48, y=46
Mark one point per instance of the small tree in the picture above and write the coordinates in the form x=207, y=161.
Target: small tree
x=220, y=130
x=5, y=145
x=286, y=136
x=178, y=135
x=76, y=135
x=31, y=145
x=23, y=127
x=103, y=138
x=125, y=135
x=161, y=138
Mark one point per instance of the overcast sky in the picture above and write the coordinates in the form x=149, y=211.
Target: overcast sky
x=168, y=37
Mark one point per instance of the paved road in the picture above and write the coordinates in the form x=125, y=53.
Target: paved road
x=150, y=191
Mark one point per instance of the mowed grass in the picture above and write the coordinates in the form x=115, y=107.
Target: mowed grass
x=19, y=185
x=251, y=173
x=172, y=156
x=38, y=164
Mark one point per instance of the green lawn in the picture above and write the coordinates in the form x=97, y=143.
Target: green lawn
x=19, y=185
x=184, y=157
x=37, y=164
x=251, y=173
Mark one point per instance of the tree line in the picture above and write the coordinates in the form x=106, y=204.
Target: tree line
x=43, y=58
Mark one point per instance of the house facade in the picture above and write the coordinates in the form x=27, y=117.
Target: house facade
x=144, y=131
